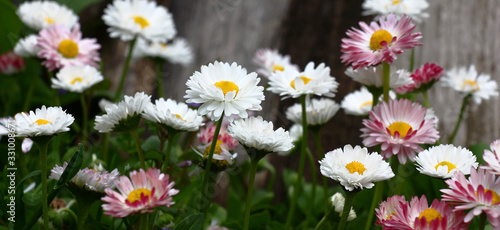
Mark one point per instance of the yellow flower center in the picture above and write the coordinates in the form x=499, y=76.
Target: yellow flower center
x=304, y=79
x=49, y=20
x=401, y=127
x=136, y=195
x=163, y=45
x=472, y=84
x=355, y=167
x=396, y=2
x=179, y=116
x=496, y=198
x=68, y=48
x=278, y=68
x=370, y=103
x=451, y=166
x=390, y=215
x=378, y=37
x=76, y=79
x=227, y=86
x=218, y=151
x=141, y=21
x=41, y=122
x=430, y=214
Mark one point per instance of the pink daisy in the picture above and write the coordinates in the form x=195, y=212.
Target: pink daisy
x=61, y=47
x=270, y=61
x=423, y=78
x=419, y=215
x=378, y=42
x=400, y=127
x=480, y=193
x=493, y=158
x=388, y=208
x=10, y=63
x=206, y=136
x=141, y=193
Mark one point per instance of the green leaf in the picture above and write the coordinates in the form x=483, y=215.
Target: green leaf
x=478, y=150
x=191, y=222
x=259, y=220
x=72, y=169
x=11, y=26
x=20, y=212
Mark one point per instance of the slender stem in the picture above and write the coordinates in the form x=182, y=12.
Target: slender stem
x=457, y=125
x=137, y=141
x=321, y=155
x=43, y=146
x=298, y=183
x=55, y=91
x=144, y=222
x=377, y=196
x=386, y=78
x=321, y=222
x=427, y=103
x=159, y=78
x=125, y=70
x=251, y=180
x=206, y=191
x=482, y=221
x=166, y=161
x=83, y=211
x=105, y=147
x=313, y=190
x=412, y=60
x=29, y=94
x=349, y=200
x=85, y=118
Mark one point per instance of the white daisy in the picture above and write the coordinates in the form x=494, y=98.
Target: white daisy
x=412, y=8
x=430, y=114
x=492, y=158
x=318, y=111
x=468, y=81
x=123, y=116
x=5, y=127
x=88, y=179
x=43, y=122
x=295, y=132
x=256, y=133
x=221, y=87
x=128, y=19
x=270, y=61
x=103, y=103
x=372, y=76
x=176, y=52
x=174, y=115
x=338, y=201
x=444, y=160
x=354, y=168
x=76, y=78
x=221, y=158
x=39, y=15
x=26, y=47
x=313, y=80
x=360, y=102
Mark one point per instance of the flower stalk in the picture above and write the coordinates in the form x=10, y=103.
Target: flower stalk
x=251, y=180
x=137, y=141
x=460, y=117
x=386, y=78
x=125, y=70
x=349, y=201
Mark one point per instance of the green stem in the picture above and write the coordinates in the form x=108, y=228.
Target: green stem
x=321, y=222
x=55, y=91
x=144, y=221
x=482, y=221
x=85, y=118
x=43, y=146
x=137, y=141
x=313, y=190
x=349, y=200
x=166, y=161
x=321, y=155
x=251, y=180
x=159, y=78
x=29, y=94
x=105, y=143
x=125, y=70
x=427, y=103
x=298, y=183
x=206, y=191
x=377, y=196
x=386, y=78
x=460, y=117
x=83, y=211
x=412, y=60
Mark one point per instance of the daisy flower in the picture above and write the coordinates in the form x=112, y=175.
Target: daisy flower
x=60, y=47
x=400, y=127
x=270, y=61
x=313, y=80
x=295, y=132
x=479, y=193
x=412, y=8
x=88, y=179
x=10, y=63
x=432, y=115
x=360, y=102
x=76, y=78
x=42, y=122
x=27, y=47
x=258, y=134
x=372, y=76
x=387, y=209
x=492, y=158
x=176, y=52
x=173, y=115
x=318, y=111
x=338, y=202
x=354, y=167
x=206, y=135
x=123, y=116
x=423, y=78
x=224, y=88
x=128, y=19
x=103, y=103
x=142, y=192
x=39, y=15
x=221, y=159
x=419, y=215
x=467, y=81
x=444, y=160
x=378, y=42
